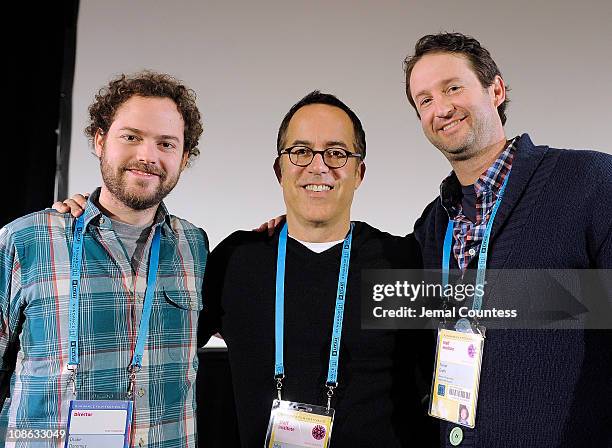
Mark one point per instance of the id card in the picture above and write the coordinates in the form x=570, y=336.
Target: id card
x=297, y=425
x=97, y=423
x=454, y=391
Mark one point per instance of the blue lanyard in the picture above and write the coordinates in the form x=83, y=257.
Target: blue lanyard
x=334, y=351
x=75, y=283
x=483, y=252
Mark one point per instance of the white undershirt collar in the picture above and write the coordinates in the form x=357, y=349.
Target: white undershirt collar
x=317, y=247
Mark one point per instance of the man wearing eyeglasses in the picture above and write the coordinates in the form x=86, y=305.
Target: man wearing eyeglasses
x=321, y=150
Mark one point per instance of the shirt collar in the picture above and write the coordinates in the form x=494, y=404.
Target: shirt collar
x=491, y=180
x=94, y=216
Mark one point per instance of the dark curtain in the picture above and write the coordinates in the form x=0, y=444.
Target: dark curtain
x=39, y=74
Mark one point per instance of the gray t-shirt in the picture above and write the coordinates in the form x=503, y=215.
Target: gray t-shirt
x=134, y=240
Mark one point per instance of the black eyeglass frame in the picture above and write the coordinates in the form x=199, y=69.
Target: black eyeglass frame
x=322, y=152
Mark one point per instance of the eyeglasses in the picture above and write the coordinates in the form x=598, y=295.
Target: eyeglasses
x=332, y=157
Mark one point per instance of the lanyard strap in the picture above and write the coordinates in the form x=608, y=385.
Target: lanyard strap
x=75, y=283
x=75, y=287
x=483, y=252
x=143, y=329
x=334, y=352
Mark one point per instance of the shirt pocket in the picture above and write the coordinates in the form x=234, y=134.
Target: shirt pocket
x=184, y=299
x=179, y=313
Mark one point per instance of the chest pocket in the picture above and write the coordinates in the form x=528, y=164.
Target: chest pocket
x=178, y=313
x=178, y=304
x=183, y=299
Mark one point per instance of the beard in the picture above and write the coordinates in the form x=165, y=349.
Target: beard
x=476, y=138
x=136, y=197
x=458, y=151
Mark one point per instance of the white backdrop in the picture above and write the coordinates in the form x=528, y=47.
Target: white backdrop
x=250, y=61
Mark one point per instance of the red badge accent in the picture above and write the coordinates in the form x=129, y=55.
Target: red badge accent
x=318, y=432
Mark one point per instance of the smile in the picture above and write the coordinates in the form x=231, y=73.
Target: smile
x=452, y=124
x=142, y=173
x=313, y=187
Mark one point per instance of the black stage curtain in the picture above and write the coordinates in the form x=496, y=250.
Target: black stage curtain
x=39, y=78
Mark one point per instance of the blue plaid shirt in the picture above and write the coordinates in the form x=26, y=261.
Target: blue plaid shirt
x=467, y=235
x=35, y=253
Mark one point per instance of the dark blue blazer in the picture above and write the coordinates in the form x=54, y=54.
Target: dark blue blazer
x=542, y=388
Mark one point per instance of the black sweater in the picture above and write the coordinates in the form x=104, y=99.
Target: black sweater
x=542, y=388
x=377, y=402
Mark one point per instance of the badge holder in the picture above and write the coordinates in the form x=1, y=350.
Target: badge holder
x=454, y=391
x=100, y=418
x=296, y=425
x=104, y=423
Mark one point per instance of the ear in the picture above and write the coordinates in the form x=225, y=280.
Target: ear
x=99, y=139
x=361, y=169
x=277, y=170
x=498, y=90
x=184, y=160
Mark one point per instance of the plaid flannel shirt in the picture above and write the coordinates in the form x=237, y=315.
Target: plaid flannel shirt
x=467, y=235
x=35, y=253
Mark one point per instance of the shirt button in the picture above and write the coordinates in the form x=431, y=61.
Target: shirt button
x=472, y=252
x=456, y=436
x=141, y=392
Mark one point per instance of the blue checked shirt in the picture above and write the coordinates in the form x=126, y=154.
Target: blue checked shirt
x=35, y=254
x=467, y=235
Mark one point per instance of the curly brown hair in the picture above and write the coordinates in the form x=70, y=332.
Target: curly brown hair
x=146, y=83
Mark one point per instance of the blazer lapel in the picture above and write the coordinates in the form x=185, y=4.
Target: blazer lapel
x=521, y=198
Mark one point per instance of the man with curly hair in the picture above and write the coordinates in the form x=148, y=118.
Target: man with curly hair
x=106, y=305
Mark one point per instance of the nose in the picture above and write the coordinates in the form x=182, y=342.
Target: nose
x=443, y=107
x=147, y=152
x=317, y=166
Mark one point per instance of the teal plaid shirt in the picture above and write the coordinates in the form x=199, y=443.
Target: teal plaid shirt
x=35, y=253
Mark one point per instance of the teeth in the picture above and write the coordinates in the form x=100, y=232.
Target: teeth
x=318, y=187
x=451, y=125
x=142, y=173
